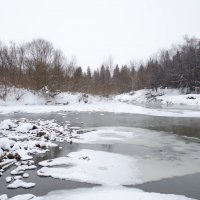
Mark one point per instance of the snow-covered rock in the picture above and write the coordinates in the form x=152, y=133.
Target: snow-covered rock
x=24, y=128
x=6, y=143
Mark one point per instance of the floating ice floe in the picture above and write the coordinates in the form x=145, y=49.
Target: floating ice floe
x=8, y=179
x=25, y=175
x=93, y=167
x=23, y=197
x=22, y=168
x=19, y=183
x=17, y=177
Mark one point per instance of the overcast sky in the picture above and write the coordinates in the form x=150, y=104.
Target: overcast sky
x=92, y=30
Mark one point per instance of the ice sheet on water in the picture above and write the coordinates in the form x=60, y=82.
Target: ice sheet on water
x=102, y=193
x=93, y=167
x=169, y=154
x=23, y=197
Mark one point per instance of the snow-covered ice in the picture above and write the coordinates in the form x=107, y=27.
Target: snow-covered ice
x=169, y=154
x=23, y=197
x=19, y=183
x=25, y=175
x=22, y=168
x=17, y=177
x=8, y=179
x=93, y=167
x=101, y=193
x=3, y=197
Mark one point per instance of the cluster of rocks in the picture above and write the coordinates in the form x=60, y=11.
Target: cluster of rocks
x=22, y=138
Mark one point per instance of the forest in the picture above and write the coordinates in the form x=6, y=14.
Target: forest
x=37, y=64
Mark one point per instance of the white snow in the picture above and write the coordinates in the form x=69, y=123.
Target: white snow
x=6, y=143
x=176, y=103
x=1, y=152
x=23, y=197
x=25, y=175
x=8, y=179
x=3, y=197
x=22, y=168
x=170, y=155
x=17, y=177
x=19, y=137
x=102, y=193
x=24, y=128
x=93, y=167
x=19, y=183
x=6, y=124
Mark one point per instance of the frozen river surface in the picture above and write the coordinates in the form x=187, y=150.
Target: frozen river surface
x=155, y=154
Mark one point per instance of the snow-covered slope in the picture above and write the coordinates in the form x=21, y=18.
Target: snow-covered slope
x=144, y=101
x=166, y=97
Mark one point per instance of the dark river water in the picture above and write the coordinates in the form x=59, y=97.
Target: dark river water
x=187, y=185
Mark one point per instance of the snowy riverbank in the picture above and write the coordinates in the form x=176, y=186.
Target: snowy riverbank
x=164, y=102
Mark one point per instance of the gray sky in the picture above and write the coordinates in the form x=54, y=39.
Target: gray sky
x=92, y=30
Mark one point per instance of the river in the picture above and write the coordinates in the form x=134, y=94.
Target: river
x=187, y=184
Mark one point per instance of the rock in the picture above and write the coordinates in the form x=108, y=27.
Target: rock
x=10, y=155
x=46, y=137
x=17, y=157
x=191, y=97
x=85, y=158
x=34, y=127
x=38, y=145
x=40, y=134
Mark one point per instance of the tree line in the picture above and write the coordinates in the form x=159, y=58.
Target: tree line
x=37, y=65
